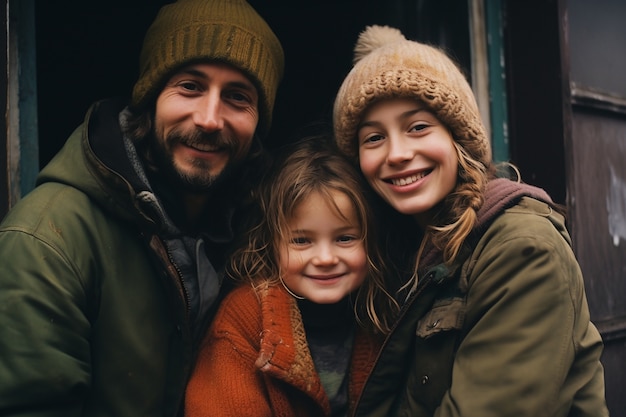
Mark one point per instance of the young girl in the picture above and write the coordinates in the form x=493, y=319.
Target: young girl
x=289, y=344
x=494, y=319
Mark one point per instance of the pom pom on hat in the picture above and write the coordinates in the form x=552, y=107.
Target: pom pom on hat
x=387, y=66
x=373, y=38
x=230, y=31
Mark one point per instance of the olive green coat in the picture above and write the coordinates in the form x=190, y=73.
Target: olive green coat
x=94, y=316
x=504, y=332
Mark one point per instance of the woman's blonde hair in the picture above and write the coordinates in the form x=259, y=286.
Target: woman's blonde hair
x=312, y=165
x=457, y=215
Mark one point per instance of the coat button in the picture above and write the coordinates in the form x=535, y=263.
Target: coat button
x=434, y=324
x=425, y=380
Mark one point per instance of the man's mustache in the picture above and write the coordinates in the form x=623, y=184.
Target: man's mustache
x=198, y=137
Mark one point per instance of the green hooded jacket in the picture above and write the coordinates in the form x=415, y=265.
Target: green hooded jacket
x=96, y=285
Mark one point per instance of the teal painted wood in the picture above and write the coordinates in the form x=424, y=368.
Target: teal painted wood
x=497, y=81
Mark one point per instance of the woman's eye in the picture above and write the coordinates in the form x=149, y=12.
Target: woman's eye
x=372, y=138
x=419, y=127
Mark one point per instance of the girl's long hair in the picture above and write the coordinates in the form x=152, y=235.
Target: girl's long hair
x=312, y=165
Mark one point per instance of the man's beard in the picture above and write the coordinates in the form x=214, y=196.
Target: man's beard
x=200, y=179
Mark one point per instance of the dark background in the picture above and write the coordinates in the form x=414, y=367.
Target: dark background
x=89, y=50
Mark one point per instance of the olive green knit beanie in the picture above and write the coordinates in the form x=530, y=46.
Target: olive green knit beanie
x=229, y=31
x=387, y=65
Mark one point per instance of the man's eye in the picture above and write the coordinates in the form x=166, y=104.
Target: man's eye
x=189, y=86
x=239, y=97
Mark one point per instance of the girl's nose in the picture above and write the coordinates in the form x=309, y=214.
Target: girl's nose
x=325, y=256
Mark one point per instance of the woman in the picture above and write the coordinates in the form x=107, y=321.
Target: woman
x=494, y=319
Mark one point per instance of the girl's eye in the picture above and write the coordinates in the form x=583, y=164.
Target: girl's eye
x=347, y=238
x=299, y=241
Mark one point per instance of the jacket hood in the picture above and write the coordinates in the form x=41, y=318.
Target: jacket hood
x=500, y=194
x=99, y=160
x=94, y=160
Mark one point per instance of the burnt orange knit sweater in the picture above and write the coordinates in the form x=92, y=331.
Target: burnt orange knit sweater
x=255, y=361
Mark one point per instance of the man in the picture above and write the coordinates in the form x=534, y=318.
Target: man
x=109, y=268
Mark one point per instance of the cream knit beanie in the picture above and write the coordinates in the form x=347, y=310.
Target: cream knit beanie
x=229, y=31
x=387, y=65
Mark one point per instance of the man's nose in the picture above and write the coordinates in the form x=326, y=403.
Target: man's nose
x=208, y=114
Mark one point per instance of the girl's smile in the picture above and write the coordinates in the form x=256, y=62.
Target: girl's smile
x=325, y=259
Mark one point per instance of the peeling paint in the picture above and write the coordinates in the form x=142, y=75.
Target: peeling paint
x=616, y=207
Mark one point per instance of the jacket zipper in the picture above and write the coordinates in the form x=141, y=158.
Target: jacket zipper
x=181, y=284
x=173, y=271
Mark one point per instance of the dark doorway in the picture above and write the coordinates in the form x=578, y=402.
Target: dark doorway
x=89, y=50
x=86, y=50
